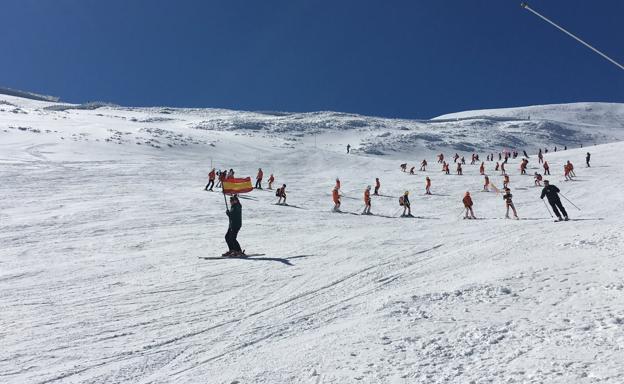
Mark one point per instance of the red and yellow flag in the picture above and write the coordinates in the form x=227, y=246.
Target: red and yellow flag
x=233, y=186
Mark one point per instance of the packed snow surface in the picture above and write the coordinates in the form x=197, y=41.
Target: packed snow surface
x=110, y=267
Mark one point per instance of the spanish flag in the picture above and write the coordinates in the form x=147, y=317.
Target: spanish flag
x=233, y=186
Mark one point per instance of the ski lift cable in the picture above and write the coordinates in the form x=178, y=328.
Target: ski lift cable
x=526, y=6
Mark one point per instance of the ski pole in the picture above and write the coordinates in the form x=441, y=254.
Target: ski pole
x=548, y=209
x=569, y=201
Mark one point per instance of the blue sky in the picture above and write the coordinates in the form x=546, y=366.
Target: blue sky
x=411, y=59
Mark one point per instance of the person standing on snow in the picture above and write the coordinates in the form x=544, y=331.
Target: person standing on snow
x=367, y=201
x=587, y=158
x=467, y=200
x=377, y=186
x=336, y=198
x=405, y=203
x=459, y=169
x=348, y=148
x=423, y=165
x=281, y=193
x=337, y=183
x=259, y=178
x=211, y=180
x=427, y=186
x=486, y=184
x=509, y=204
x=552, y=194
x=271, y=180
x=235, y=215
x=482, y=168
x=546, y=168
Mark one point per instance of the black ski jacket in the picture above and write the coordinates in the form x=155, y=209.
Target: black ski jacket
x=551, y=193
x=236, y=216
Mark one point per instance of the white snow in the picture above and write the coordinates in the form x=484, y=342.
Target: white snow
x=104, y=224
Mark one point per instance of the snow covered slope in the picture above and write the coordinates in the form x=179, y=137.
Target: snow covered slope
x=109, y=267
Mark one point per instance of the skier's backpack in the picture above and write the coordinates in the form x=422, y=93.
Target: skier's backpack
x=278, y=192
x=401, y=201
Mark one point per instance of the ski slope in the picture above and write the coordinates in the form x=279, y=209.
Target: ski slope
x=110, y=269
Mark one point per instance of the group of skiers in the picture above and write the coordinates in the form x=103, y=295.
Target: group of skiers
x=551, y=192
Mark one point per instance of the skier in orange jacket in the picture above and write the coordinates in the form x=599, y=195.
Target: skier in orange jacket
x=546, y=168
x=271, y=180
x=566, y=172
x=538, y=179
x=211, y=180
x=427, y=186
x=367, y=201
x=336, y=199
x=467, y=200
x=259, y=178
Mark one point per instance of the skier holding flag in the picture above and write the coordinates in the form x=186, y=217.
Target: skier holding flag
x=234, y=186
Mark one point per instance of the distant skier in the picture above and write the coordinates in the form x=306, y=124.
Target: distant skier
x=459, y=169
x=571, y=168
x=259, y=178
x=463, y=160
x=423, y=165
x=404, y=167
x=552, y=194
x=546, y=168
x=505, y=181
x=566, y=172
x=446, y=168
x=486, y=184
x=497, y=167
x=503, y=172
x=525, y=154
x=412, y=170
x=230, y=174
x=222, y=176
x=441, y=158
x=377, y=186
x=271, y=181
x=211, y=180
x=336, y=199
x=540, y=156
x=235, y=223
x=405, y=203
x=523, y=166
x=538, y=179
x=427, y=186
x=467, y=200
x=509, y=204
x=587, y=158
x=482, y=168
x=367, y=201
x=348, y=148
x=281, y=194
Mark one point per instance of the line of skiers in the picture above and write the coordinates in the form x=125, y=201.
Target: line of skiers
x=551, y=192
